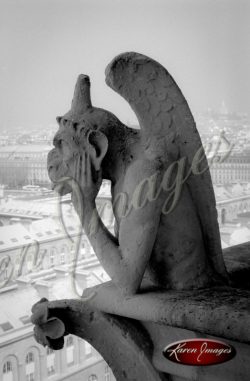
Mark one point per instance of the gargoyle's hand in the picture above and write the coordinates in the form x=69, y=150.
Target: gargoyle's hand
x=48, y=330
x=86, y=185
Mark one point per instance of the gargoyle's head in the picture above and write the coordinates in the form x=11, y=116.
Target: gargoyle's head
x=72, y=140
x=83, y=128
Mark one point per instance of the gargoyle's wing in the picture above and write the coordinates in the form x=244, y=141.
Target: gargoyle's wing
x=169, y=132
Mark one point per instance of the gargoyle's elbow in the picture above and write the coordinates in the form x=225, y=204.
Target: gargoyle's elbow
x=127, y=292
x=128, y=289
x=127, y=281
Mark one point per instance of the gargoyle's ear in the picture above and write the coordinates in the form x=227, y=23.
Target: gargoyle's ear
x=98, y=146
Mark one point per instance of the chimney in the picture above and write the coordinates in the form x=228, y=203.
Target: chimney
x=44, y=289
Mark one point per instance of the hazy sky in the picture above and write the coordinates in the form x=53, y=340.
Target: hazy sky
x=45, y=44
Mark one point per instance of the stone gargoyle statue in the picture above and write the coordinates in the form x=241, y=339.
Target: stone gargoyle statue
x=167, y=235
x=164, y=204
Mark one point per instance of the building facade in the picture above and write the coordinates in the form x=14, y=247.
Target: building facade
x=234, y=169
x=22, y=284
x=23, y=359
x=24, y=164
x=37, y=259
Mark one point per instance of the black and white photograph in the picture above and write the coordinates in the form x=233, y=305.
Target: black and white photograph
x=124, y=190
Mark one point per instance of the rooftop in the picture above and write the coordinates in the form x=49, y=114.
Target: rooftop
x=232, y=191
x=16, y=301
x=16, y=235
x=26, y=148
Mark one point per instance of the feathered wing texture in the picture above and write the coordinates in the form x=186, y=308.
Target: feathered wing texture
x=168, y=131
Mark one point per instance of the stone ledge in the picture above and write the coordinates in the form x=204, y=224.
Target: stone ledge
x=220, y=311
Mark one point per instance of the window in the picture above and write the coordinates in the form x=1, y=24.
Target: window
x=30, y=367
x=88, y=349
x=7, y=367
x=7, y=371
x=62, y=259
x=107, y=375
x=14, y=240
x=70, y=341
x=25, y=319
x=6, y=326
x=29, y=358
x=50, y=362
x=30, y=377
x=49, y=351
x=62, y=256
x=52, y=257
x=70, y=350
x=29, y=263
x=92, y=377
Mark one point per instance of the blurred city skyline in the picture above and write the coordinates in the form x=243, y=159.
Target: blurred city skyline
x=45, y=44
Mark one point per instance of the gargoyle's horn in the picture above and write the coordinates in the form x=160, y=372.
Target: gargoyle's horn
x=81, y=101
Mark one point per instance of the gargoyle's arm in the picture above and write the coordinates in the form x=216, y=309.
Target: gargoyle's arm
x=125, y=259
